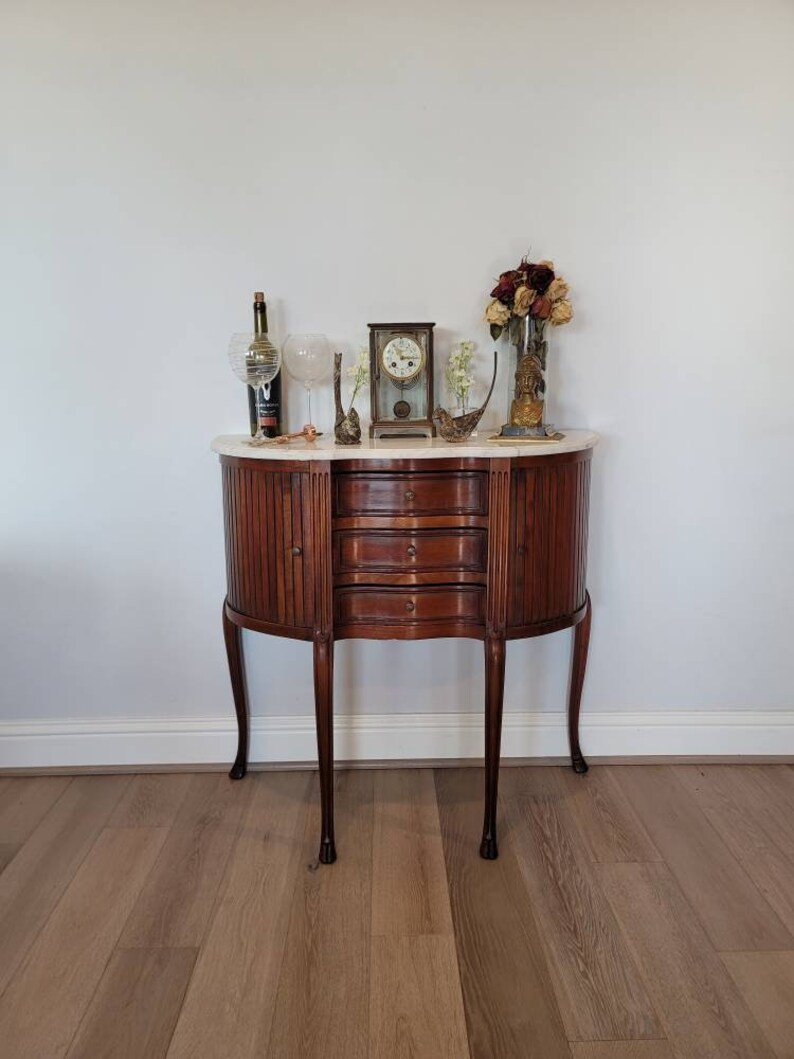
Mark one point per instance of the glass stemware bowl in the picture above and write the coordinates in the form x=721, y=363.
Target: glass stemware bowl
x=307, y=358
x=256, y=362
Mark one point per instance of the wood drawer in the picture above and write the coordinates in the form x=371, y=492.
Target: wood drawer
x=417, y=493
x=408, y=551
x=464, y=604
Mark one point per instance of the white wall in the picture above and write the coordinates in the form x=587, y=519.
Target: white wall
x=358, y=161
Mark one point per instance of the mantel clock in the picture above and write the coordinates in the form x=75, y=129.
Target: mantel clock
x=401, y=379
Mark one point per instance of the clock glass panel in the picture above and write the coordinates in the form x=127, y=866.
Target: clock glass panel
x=401, y=362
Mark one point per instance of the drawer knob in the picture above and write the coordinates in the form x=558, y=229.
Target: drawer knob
x=410, y=606
x=296, y=550
x=412, y=550
x=410, y=494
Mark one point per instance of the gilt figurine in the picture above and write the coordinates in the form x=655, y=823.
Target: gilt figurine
x=460, y=428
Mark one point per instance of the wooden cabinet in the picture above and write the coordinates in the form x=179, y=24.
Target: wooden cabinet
x=493, y=548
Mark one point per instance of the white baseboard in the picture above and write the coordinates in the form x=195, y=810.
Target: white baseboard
x=396, y=737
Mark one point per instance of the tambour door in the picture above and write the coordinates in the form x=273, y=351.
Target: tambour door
x=549, y=502
x=267, y=512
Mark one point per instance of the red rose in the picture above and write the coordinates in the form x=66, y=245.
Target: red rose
x=505, y=288
x=540, y=278
x=541, y=307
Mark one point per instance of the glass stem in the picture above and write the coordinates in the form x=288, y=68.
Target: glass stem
x=309, y=395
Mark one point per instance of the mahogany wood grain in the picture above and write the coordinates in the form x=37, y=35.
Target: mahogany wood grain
x=425, y=493
x=233, y=638
x=323, y=652
x=490, y=549
x=422, y=605
x=495, y=648
x=548, y=540
x=581, y=643
x=269, y=544
x=439, y=552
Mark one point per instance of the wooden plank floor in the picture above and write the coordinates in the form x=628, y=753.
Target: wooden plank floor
x=638, y=912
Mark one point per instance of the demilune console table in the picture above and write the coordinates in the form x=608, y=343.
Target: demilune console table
x=406, y=539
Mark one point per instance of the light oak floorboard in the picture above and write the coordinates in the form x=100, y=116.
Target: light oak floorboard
x=599, y=988
x=229, y=1007
x=152, y=800
x=702, y=1012
x=174, y=907
x=135, y=1007
x=511, y=1010
x=409, y=877
x=68, y=958
x=36, y=878
x=728, y=904
x=766, y=793
x=609, y=829
x=322, y=1005
x=24, y=803
x=742, y=827
x=766, y=981
x=622, y=1050
x=416, y=1008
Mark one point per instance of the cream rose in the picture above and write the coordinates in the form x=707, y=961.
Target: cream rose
x=558, y=289
x=522, y=300
x=561, y=312
x=496, y=313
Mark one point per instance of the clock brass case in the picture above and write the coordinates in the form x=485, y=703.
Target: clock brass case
x=394, y=389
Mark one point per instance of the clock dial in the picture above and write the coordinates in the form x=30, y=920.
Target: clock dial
x=402, y=358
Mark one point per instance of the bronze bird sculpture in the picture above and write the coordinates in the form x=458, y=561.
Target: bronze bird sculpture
x=460, y=428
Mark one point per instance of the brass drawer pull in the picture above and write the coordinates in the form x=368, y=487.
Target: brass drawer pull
x=296, y=550
x=410, y=606
x=412, y=550
x=410, y=494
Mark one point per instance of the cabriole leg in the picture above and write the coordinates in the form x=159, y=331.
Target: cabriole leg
x=581, y=642
x=233, y=636
x=494, y=698
x=324, y=712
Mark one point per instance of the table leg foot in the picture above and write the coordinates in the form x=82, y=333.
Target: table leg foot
x=489, y=849
x=238, y=770
x=578, y=764
x=327, y=851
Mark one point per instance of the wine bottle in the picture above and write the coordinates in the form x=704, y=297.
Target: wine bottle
x=264, y=405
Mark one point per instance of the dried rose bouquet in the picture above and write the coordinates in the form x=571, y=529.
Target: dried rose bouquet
x=532, y=290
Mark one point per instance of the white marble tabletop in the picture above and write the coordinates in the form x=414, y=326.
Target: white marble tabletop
x=325, y=448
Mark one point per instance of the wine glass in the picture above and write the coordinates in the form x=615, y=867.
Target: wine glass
x=307, y=358
x=256, y=362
